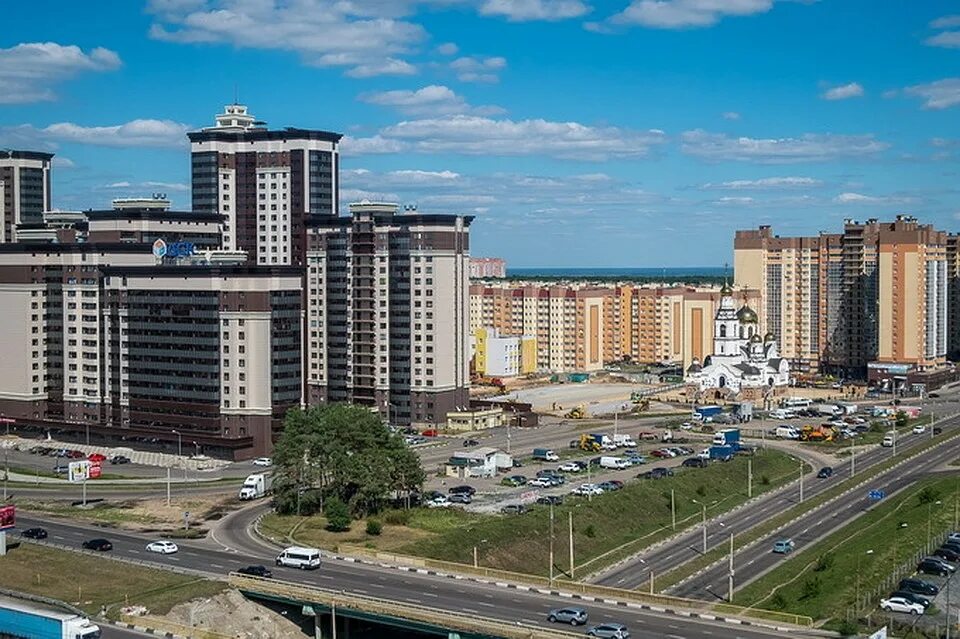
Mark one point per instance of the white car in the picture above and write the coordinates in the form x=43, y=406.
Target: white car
x=686, y=426
x=919, y=429
x=162, y=547
x=587, y=489
x=541, y=482
x=899, y=604
x=439, y=502
x=263, y=461
x=569, y=467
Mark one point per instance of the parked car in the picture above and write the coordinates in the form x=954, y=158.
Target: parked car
x=430, y=432
x=695, y=462
x=101, y=545
x=263, y=461
x=663, y=453
x=572, y=616
x=75, y=454
x=464, y=490
x=256, y=571
x=514, y=509
x=918, y=586
x=34, y=533
x=609, y=631
x=460, y=498
x=97, y=458
x=440, y=501
x=548, y=500
x=825, y=473
x=954, y=536
x=899, y=604
x=514, y=480
x=912, y=596
x=609, y=486
x=930, y=567
x=541, y=482
x=119, y=459
x=162, y=547
x=783, y=546
x=656, y=473
x=467, y=443
x=947, y=554
x=585, y=490
x=946, y=565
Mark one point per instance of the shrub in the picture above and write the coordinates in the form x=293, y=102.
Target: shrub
x=397, y=517
x=811, y=588
x=337, y=514
x=764, y=480
x=374, y=527
x=702, y=490
x=778, y=601
x=824, y=562
x=928, y=495
x=589, y=531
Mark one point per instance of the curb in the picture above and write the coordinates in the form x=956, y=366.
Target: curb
x=143, y=629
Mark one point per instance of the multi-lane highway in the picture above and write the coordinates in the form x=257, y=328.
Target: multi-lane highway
x=688, y=546
x=402, y=586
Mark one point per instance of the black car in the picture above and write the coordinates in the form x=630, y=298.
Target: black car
x=933, y=395
x=694, y=462
x=460, y=498
x=256, y=571
x=918, y=586
x=947, y=554
x=119, y=459
x=470, y=442
x=951, y=545
x=101, y=545
x=937, y=430
x=656, y=473
x=548, y=500
x=825, y=472
x=912, y=597
x=463, y=490
x=931, y=567
x=514, y=509
x=34, y=533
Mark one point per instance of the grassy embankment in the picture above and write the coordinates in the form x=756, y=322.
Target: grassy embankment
x=92, y=582
x=622, y=521
x=824, y=581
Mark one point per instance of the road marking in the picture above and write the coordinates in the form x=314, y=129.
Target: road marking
x=419, y=601
x=134, y=552
x=484, y=603
x=471, y=610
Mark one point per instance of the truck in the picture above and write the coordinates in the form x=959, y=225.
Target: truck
x=29, y=620
x=786, y=432
x=828, y=409
x=720, y=453
x=545, y=454
x=727, y=437
x=783, y=413
x=624, y=441
x=617, y=463
x=706, y=413
x=596, y=442
x=255, y=486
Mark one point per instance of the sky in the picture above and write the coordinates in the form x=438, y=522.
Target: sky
x=579, y=133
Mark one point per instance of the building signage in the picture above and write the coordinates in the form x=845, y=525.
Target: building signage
x=8, y=517
x=78, y=471
x=162, y=249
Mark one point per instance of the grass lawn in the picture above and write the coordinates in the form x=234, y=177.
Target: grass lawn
x=637, y=516
x=91, y=582
x=822, y=582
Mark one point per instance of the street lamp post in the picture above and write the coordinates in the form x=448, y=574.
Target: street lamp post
x=180, y=452
x=703, y=508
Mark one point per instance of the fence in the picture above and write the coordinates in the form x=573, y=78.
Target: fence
x=431, y=615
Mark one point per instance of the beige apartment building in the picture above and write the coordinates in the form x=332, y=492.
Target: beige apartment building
x=582, y=328
x=872, y=296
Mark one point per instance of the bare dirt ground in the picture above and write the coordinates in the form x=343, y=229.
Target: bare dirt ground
x=231, y=614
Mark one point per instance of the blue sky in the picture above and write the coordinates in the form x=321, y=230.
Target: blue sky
x=578, y=132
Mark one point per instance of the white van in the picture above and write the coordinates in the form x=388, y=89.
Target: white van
x=782, y=413
x=787, y=432
x=617, y=463
x=298, y=557
x=888, y=440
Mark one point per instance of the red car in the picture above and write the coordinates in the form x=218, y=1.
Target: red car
x=662, y=454
x=76, y=454
x=97, y=457
x=432, y=432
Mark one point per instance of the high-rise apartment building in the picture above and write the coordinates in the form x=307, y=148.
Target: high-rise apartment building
x=481, y=267
x=24, y=190
x=388, y=312
x=877, y=292
x=266, y=184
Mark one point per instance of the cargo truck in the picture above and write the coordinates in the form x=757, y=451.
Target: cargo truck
x=545, y=454
x=624, y=441
x=706, y=413
x=727, y=437
x=255, y=486
x=29, y=620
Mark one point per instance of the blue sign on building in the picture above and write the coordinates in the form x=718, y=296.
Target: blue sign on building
x=162, y=249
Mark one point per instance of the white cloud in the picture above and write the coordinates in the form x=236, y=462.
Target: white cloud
x=859, y=198
x=430, y=100
x=941, y=94
x=843, y=92
x=735, y=200
x=682, y=14
x=789, y=182
x=28, y=70
x=947, y=40
x=61, y=162
x=357, y=195
x=448, y=48
x=524, y=10
x=372, y=145
x=731, y=115
x=168, y=186
x=156, y=133
x=810, y=147
x=946, y=22
x=365, y=36
x=474, y=135
x=478, y=69
x=414, y=176
x=117, y=185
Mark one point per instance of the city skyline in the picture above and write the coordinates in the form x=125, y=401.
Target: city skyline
x=629, y=158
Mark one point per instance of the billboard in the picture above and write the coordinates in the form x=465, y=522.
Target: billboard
x=95, y=470
x=78, y=471
x=8, y=517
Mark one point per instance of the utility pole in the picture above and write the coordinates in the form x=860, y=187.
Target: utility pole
x=168, y=486
x=551, y=544
x=6, y=471
x=570, y=520
x=703, y=509
x=651, y=581
x=749, y=478
x=801, y=481
x=476, y=562
x=730, y=586
x=673, y=509
x=508, y=434
x=616, y=415
x=853, y=459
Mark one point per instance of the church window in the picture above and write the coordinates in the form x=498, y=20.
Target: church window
x=741, y=332
x=723, y=331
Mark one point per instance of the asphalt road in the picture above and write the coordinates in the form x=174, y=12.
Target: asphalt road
x=689, y=545
x=755, y=561
x=459, y=596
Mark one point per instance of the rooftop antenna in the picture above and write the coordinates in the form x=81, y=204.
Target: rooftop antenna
x=236, y=93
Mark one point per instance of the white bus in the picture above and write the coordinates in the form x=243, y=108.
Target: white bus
x=797, y=402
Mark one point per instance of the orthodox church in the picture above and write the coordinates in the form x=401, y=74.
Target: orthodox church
x=743, y=362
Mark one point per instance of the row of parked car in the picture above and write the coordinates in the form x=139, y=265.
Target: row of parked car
x=914, y=595
x=70, y=454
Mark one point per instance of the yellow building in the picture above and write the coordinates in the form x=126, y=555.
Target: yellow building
x=497, y=355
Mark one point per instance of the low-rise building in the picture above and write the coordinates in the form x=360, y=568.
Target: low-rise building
x=479, y=462
x=497, y=355
x=476, y=419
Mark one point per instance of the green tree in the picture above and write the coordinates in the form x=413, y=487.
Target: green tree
x=901, y=419
x=341, y=451
x=337, y=514
x=928, y=495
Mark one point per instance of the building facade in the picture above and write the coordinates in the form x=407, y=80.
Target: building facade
x=487, y=267
x=266, y=184
x=496, y=355
x=388, y=321
x=836, y=302
x=25, y=192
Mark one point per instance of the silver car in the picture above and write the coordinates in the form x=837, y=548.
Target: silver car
x=572, y=616
x=610, y=630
